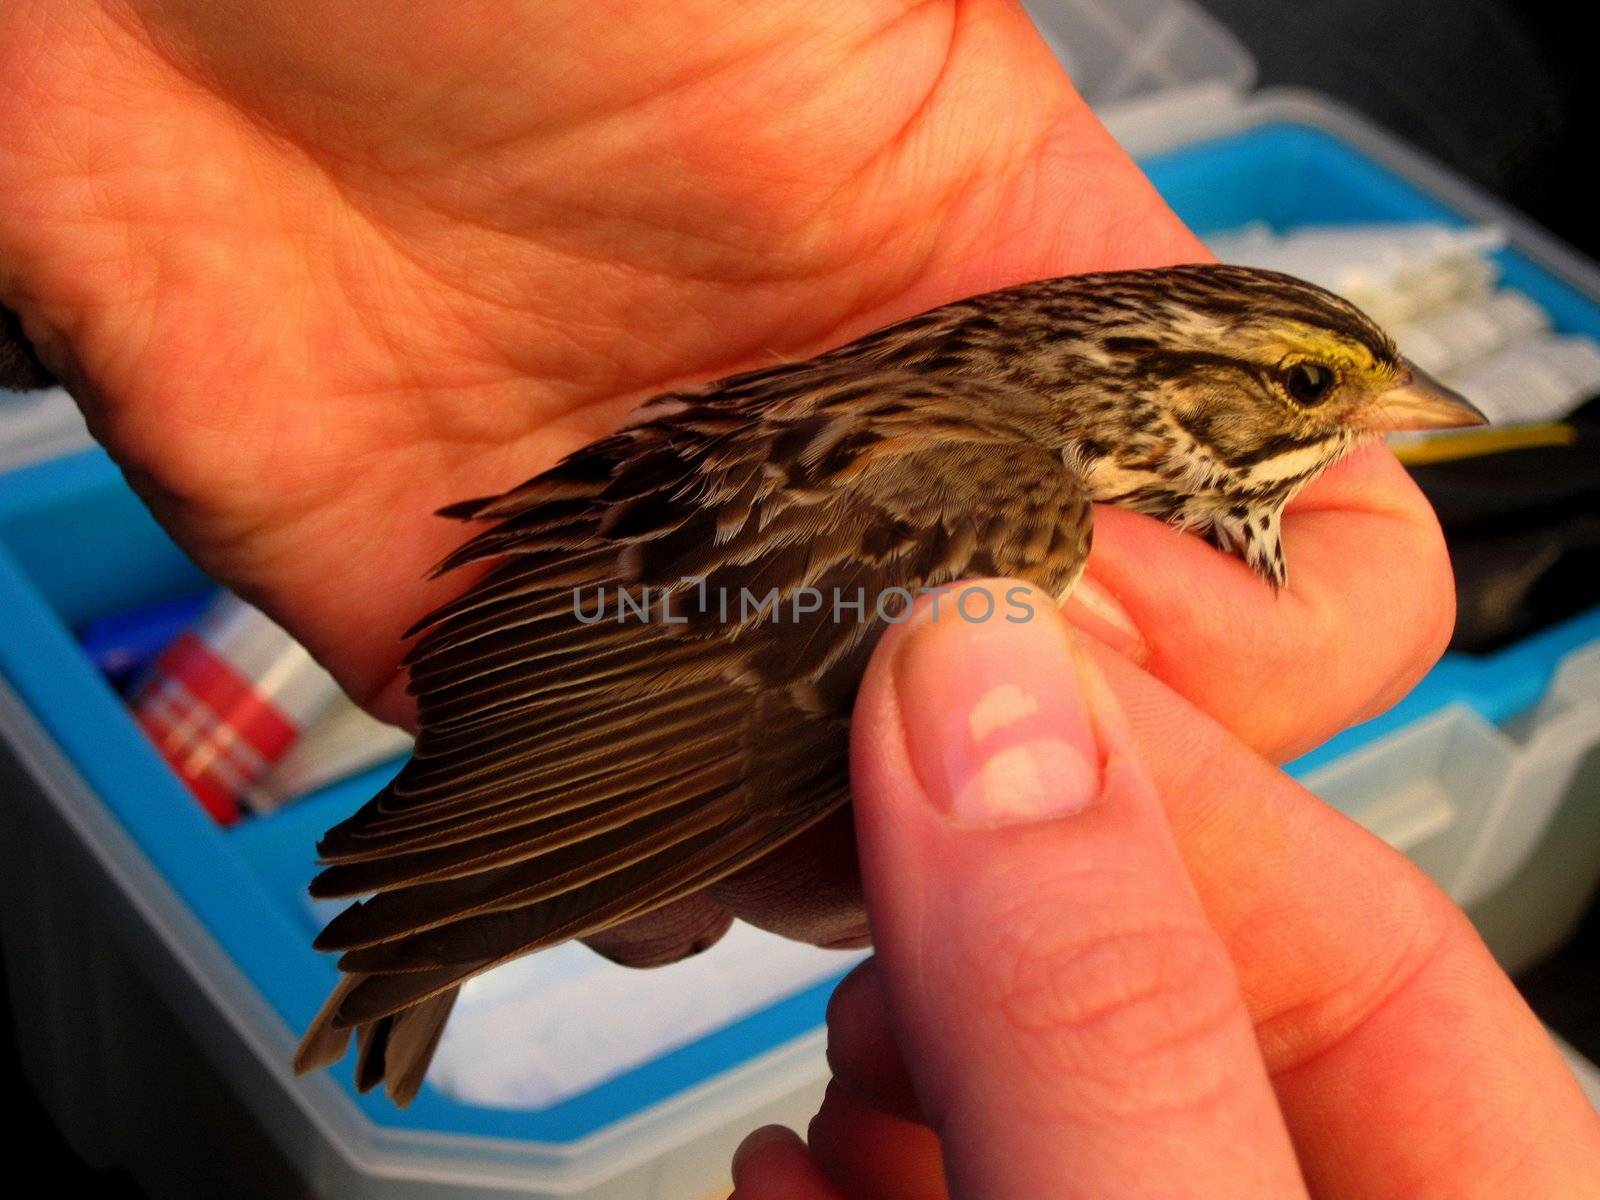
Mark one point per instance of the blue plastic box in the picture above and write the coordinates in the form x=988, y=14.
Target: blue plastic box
x=214, y=919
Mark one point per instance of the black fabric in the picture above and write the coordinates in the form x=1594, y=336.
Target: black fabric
x=1501, y=90
x=1524, y=534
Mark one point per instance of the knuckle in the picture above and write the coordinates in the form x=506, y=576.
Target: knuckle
x=1133, y=1016
x=1417, y=929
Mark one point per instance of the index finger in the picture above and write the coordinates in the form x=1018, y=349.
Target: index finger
x=1368, y=609
x=1404, y=1060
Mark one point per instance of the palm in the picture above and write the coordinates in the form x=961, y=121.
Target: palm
x=416, y=260
x=313, y=280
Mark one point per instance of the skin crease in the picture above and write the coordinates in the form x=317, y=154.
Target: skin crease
x=312, y=279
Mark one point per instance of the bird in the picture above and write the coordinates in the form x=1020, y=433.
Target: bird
x=577, y=766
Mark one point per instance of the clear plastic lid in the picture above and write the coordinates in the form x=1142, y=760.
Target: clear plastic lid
x=1127, y=52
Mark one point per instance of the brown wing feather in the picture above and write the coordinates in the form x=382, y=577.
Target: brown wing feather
x=574, y=774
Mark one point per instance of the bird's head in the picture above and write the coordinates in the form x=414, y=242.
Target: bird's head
x=1255, y=379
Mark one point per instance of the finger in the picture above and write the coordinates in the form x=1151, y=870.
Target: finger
x=863, y=1056
x=1070, y=1020
x=1320, y=967
x=683, y=928
x=809, y=889
x=1361, y=541
x=1404, y=1060
x=772, y=1164
x=870, y=1155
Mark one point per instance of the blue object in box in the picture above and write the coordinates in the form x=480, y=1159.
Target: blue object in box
x=124, y=644
x=75, y=545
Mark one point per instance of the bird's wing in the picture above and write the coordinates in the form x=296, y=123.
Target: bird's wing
x=571, y=772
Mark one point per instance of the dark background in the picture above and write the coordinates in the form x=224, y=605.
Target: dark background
x=1499, y=89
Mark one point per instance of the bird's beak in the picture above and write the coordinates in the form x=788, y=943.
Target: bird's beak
x=1422, y=402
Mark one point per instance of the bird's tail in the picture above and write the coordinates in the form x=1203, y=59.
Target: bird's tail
x=394, y=1050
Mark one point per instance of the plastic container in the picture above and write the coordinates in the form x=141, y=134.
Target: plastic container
x=35, y=426
x=227, y=699
x=1468, y=789
x=169, y=1026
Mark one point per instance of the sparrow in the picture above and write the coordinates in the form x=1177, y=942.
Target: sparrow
x=650, y=686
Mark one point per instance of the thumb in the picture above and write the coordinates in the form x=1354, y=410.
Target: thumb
x=1071, y=1022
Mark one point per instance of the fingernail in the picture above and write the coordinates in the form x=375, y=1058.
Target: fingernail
x=1095, y=611
x=997, y=723
x=759, y=1139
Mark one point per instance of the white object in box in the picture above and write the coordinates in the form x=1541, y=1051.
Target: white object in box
x=1396, y=273
x=549, y=1026
x=1539, y=380
x=1463, y=334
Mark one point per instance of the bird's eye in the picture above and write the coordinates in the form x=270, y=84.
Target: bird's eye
x=1309, y=383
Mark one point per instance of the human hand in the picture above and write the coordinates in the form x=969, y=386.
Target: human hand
x=313, y=276
x=1075, y=1010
